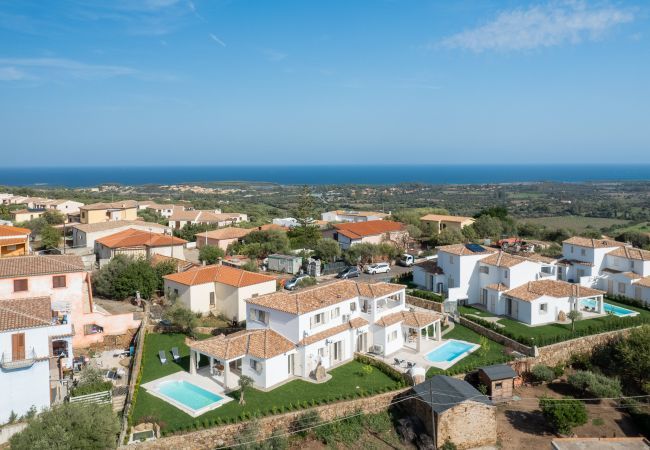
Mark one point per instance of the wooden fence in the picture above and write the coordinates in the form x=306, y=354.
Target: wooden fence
x=99, y=398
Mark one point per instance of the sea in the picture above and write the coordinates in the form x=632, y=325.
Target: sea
x=76, y=177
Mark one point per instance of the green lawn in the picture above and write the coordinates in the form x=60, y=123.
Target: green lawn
x=494, y=355
x=544, y=334
x=346, y=382
x=576, y=223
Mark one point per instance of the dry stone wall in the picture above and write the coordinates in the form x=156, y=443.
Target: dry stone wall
x=425, y=304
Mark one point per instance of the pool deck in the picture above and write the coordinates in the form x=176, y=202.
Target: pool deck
x=152, y=387
x=410, y=355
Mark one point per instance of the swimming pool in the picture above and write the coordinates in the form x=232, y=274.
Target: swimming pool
x=609, y=308
x=449, y=351
x=188, y=394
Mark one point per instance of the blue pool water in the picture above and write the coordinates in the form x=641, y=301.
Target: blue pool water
x=449, y=351
x=609, y=308
x=188, y=394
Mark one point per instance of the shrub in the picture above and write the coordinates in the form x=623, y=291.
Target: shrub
x=543, y=373
x=365, y=370
x=563, y=414
x=595, y=384
x=305, y=421
x=558, y=370
x=448, y=445
x=427, y=295
x=91, y=388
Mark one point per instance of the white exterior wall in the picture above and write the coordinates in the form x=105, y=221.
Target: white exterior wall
x=82, y=239
x=274, y=370
x=310, y=357
x=41, y=286
x=464, y=272
x=184, y=295
x=382, y=334
x=284, y=323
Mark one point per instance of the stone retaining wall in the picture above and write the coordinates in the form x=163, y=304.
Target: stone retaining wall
x=501, y=339
x=425, y=304
x=227, y=435
x=561, y=352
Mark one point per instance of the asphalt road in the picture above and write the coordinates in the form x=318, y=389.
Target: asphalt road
x=394, y=271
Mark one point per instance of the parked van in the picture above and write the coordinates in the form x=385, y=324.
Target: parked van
x=406, y=260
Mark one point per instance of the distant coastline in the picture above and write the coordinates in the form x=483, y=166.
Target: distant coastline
x=322, y=175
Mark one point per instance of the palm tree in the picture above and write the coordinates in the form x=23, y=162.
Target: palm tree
x=244, y=383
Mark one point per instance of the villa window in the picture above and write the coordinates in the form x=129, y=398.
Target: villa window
x=336, y=312
x=256, y=365
x=621, y=288
x=543, y=308
x=451, y=259
x=353, y=306
x=392, y=336
x=484, y=269
x=58, y=281
x=317, y=320
x=20, y=285
x=260, y=316
x=572, y=249
x=583, y=252
x=498, y=385
x=505, y=274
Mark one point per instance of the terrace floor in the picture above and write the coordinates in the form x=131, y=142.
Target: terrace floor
x=408, y=354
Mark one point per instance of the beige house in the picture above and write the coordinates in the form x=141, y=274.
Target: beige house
x=441, y=222
x=107, y=212
x=221, y=238
x=25, y=215
x=222, y=290
x=340, y=215
x=179, y=219
x=371, y=232
x=138, y=243
x=14, y=241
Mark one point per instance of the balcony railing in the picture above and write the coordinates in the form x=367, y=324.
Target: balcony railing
x=10, y=363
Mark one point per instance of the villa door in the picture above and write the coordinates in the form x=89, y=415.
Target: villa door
x=484, y=297
x=291, y=364
x=362, y=342
x=336, y=352
x=18, y=346
x=610, y=286
x=637, y=292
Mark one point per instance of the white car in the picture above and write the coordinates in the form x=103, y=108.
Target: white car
x=377, y=268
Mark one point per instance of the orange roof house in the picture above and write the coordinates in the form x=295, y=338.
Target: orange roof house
x=138, y=243
x=14, y=241
x=372, y=231
x=218, y=288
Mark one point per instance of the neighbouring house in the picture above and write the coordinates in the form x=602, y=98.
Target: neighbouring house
x=218, y=289
x=424, y=274
x=64, y=280
x=35, y=347
x=139, y=244
x=14, y=241
x=600, y=443
x=441, y=222
x=85, y=235
x=340, y=215
x=181, y=264
x=453, y=410
x=214, y=217
x=64, y=206
x=25, y=215
x=221, y=237
x=108, y=212
x=290, y=222
x=305, y=333
x=164, y=210
x=284, y=263
x=372, y=232
x=499, y=380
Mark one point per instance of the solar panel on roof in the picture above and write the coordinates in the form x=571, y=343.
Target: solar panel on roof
x=475, y=248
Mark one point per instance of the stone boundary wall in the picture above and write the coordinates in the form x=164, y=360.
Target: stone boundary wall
x=226, y=435
x=425, y=304
x=561, y=352
x=501, y=339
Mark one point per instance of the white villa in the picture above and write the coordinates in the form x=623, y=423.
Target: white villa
x=294, y=335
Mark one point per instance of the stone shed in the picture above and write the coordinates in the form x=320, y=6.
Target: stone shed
x=453, y=410
x=500, y=381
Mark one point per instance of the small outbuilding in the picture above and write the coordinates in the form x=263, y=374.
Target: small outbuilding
x=500, y=381
x=453, y=410
x=284, y=263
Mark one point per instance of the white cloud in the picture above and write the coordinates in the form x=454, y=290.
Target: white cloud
x=537, y=26
x=12, y=74
x=68, y=67
x=274, y=55
x=216, y=39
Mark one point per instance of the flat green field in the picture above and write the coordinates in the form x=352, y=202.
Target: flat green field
x=576, y=223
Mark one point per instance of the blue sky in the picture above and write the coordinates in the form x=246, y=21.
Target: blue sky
x=129, y=82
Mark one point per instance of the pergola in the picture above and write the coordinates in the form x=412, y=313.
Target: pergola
x=221, y=351
x=420, y=321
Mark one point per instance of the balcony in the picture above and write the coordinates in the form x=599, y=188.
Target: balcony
x=20, y=362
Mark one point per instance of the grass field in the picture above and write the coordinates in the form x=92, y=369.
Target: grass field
x=347, y=381
x=575, y=223
x=643, y=227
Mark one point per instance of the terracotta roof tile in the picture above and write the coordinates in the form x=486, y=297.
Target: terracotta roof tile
x=552, y=288
x=644, y=282
x=318, y=297
x=220, y=274
x=465, y=249
x=357, y=230
x=631, y=253
x=25, y=313
x=357, y=322
x=197, y=215
x=261, y=344
x=181, y=264
x=503, y=259
x=138, y=238
x=13, y=241
x=430, y=266
x=445, y=218
x=497, y=287
x=7, y=231
x=415, y=319
x=111, y=225
x=225, y=233
x=592, y=243
x=18, y=266
x=125, y=204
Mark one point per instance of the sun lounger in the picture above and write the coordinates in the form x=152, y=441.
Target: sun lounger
x=163, y=358
x=398, y=362
x=409, y=364
x=175, y=354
